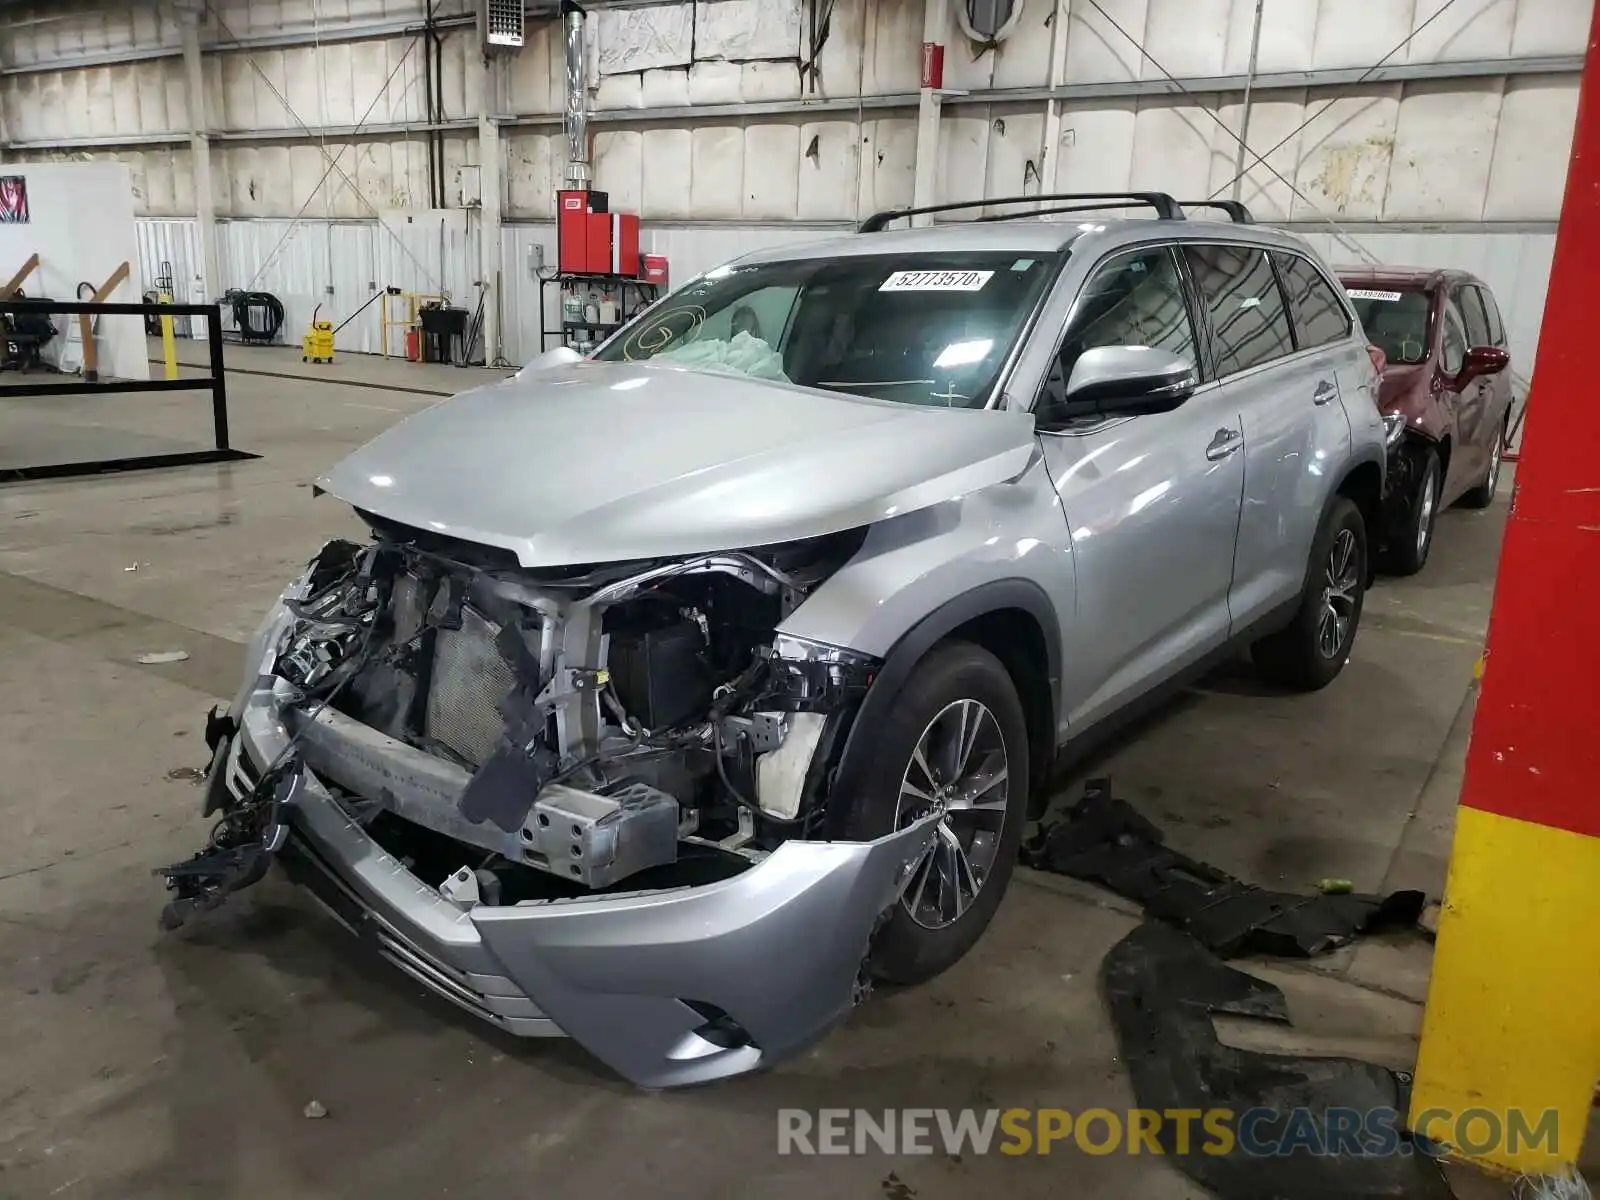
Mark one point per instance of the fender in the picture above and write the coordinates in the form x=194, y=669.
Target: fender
x=914, y=645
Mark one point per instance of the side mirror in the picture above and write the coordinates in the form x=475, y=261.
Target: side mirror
x=1116, y=380
x=1483, y=360
x=559, y=357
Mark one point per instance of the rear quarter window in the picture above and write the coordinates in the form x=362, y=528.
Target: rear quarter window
x=1316, y=307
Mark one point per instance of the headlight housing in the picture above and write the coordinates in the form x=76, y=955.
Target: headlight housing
x=1394, y=428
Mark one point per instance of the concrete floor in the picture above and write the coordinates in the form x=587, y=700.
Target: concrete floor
x=145, y=1065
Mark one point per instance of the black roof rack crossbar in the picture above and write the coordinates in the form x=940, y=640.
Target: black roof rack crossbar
x=1237, y=212
x=1165, y=206
x=1042, y=212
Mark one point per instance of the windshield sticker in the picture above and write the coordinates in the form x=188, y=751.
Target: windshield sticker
x=1368, y=294
x=936, y=281
x=1022, y=264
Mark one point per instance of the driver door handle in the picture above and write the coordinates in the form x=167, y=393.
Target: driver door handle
x=1223, y=443
x=1324, y=392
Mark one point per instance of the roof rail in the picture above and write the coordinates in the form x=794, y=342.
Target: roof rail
x=1237, y=212
x=1165, y=206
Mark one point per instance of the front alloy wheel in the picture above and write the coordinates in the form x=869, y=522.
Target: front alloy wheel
x=959, y=768
x=954, y=741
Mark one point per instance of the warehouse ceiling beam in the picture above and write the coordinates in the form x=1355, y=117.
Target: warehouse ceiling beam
x=355, y=32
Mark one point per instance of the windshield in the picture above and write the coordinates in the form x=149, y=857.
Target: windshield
x=930, y=329
x=1395, y=321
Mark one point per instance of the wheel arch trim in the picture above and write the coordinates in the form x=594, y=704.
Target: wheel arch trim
x=913, y=645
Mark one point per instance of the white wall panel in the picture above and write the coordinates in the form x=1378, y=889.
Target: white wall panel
x=742, y=30
x=1346, y=152
x=1359, y=35
x=1096, y=146
x=1172, y=147
x=830, y=160
x=888, y=164
x=1444, y=145
x=1531, y=150
x=667, y=186
x=1288, y=36
x=1186, y=37
x=1097, y=52
x=1464, y=29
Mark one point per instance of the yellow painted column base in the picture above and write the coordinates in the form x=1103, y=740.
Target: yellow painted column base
x=1511, y=1039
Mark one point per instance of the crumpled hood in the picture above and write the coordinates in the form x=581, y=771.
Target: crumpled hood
x=597, y=462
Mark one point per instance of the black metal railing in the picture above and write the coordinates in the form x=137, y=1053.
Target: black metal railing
x=215, y=382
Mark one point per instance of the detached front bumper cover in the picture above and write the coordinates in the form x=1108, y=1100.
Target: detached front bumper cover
x=668, y=988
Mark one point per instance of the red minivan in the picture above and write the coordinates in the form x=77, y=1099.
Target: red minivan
x=1446, y=396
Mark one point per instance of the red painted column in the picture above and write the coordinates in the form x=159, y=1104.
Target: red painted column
x=1513, y=1019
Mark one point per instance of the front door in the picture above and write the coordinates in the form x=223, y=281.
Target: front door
x=1151, y=502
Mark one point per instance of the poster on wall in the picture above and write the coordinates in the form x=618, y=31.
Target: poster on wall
x=13, y=200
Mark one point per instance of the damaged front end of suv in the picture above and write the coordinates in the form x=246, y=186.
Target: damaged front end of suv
x=589, y=801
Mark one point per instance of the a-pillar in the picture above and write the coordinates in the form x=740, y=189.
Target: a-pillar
x=1512, y=1031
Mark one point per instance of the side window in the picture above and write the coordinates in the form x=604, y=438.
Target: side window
x=1247, y=310
x=1133, y=300
x=1319, y=314
x=1497, y=329
x=1468, y=299
x=1453, y=342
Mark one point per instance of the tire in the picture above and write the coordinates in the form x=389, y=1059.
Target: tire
x=1483, y=495
x=1405, y=551
x=940, y=692
x=1297, y=656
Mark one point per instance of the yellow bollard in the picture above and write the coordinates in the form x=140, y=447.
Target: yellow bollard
x=169, y=347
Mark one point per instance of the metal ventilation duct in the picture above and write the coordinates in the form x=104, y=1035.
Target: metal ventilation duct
x=575, y=119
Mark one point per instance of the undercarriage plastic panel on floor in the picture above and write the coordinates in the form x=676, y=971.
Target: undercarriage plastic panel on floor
x=1106, y=841
x=1338, y=1119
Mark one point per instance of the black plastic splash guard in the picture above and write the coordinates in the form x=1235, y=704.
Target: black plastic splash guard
x=1304, y=1128
x=1106, y=841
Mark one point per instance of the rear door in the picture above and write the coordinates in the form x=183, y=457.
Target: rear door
x=1151, y=501
x=1477, y=398
x=1465, y=462
x=1288, y=401
x=1500, y=385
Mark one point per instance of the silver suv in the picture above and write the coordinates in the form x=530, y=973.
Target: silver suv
x=683, y=690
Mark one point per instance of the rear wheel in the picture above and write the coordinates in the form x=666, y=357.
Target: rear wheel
x=955, y=743
x=1406, y=550
x=1483, y=495
x=1312, y=649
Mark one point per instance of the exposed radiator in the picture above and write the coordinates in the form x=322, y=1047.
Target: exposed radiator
x=469, y=680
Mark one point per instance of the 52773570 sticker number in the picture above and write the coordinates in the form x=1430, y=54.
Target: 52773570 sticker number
x=936, y=281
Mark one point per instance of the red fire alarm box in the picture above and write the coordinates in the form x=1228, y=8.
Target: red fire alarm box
x=653, y=269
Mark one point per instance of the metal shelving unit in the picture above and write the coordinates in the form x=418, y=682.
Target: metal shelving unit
x=632, y=296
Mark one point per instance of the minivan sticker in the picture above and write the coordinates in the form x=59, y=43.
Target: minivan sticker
x=1368, y=294
x=936, y=281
